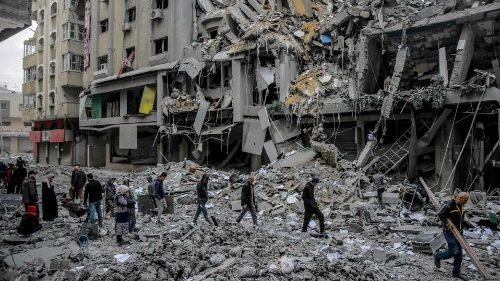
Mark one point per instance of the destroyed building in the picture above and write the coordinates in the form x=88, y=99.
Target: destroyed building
x=15, y=16
x=251, y=81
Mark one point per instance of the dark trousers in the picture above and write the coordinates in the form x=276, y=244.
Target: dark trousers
x=110, y=206
x=244, y=211
x=309, y=212
x=380, y=191
x=19, y=183
x=201, y=209
x=454, y=250
x=11, y=187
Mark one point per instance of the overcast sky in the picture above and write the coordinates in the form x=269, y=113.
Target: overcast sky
x=11, y=59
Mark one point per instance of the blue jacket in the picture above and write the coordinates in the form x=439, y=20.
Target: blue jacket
x=159, y=192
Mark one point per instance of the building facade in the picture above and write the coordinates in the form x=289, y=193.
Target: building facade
x=14, y=130
x=252, y=82
x=53, y=79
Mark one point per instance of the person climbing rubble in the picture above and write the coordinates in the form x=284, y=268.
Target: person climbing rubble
x=160, y=196
x=379, y=181
x=92, y=198
x=311, y=206
x=453, y=210
x=122, y=216
x=248, y=200
x=77, y=184
x=110, y=193
x=151, y=190
x=201, y=190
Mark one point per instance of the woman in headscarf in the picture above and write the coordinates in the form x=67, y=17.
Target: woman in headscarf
x=49, y=201
x=9, y=178
x=122, y=216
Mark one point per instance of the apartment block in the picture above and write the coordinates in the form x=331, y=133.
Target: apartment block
x=14, y=130
x=53, y=78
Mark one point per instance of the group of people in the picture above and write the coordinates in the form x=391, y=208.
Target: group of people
x=120, y=203
x=13, y=175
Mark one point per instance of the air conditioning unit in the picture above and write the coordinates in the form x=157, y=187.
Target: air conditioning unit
x=127, y=26
x=156, y=14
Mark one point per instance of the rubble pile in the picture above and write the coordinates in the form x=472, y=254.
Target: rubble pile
x=365, y=241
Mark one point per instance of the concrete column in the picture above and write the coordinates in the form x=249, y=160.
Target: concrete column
x=160, y=152
x=360, y=136
x=123, y=102
x=183, y=23
x=256, y=162
x=237, y=91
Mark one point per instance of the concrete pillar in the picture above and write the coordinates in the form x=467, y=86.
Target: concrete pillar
x=360, y=136
x=256, y=162
x=478, y=156
x=160, y=152
x=183, y=26
x=237, y=91
x=123, y=102
x=444, y=158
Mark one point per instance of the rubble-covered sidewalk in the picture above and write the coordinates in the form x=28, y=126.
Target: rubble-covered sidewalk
x=365, y=242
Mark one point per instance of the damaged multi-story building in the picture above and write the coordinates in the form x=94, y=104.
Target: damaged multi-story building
x=53, y=79
x=248, y=82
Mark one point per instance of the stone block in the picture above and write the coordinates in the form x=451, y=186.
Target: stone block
x=391, y=198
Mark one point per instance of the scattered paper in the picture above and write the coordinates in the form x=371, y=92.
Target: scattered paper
x=122, y=257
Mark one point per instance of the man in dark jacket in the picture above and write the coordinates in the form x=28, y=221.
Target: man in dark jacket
x=30, y=195
x=93, y=196
x=202, y=193
x=453, y=210
x=379, y=184
x=160, y=196
x=248, y=200
x=20, y=174
x=151, y=190
x=77, y=183
x=311, y=207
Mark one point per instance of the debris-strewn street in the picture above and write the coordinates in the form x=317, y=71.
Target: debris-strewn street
x=365, y=241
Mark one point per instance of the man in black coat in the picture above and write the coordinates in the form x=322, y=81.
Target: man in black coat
x=77, y=183
x=248, y=200
x=20, y=174
x=202, y=194
x=311, y=207
x=453, y=210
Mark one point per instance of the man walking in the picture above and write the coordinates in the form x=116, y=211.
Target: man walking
x=77, y=183
x=151, y=190
x=248, y=200
x=30, y=195
x=311, y=206
x=379, y=184
x=453, y=210
x=160, y=196
x=202, y=192
x=93, y=195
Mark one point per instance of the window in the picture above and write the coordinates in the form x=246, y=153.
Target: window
x=5, y=123
x=131, y=14
x=41, y=16
x=27, y=124
x=129, y=51
x=29, y=47
x=104, y=25
x=72, y=62
x=4, y=105
x=73, y=31
x=30, y=74
x=161, y=4
x=102, y=63
x=161, y=46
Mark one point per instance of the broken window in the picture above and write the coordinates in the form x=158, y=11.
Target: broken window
x=73, y=31
x=110, y=105
x=129, y=51
x=212, y=33
x=161, y=46
x=104, y=25
x=102, y=62
x=161, y=4
x=131, y=14
x=134, y=100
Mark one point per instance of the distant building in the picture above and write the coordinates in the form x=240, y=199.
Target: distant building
x=13, y=129
x=15, y=15
x=53, y=79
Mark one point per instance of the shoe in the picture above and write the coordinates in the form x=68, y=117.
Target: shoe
x=459, y=276
x=437, y=262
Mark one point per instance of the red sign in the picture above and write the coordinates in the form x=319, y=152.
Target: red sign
x=57, y=135
x=36, y=136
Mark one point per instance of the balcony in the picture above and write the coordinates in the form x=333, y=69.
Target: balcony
x=29, y=88
x=29, y=114
x=29, y=61
x=72, y=46
x=71, y=79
